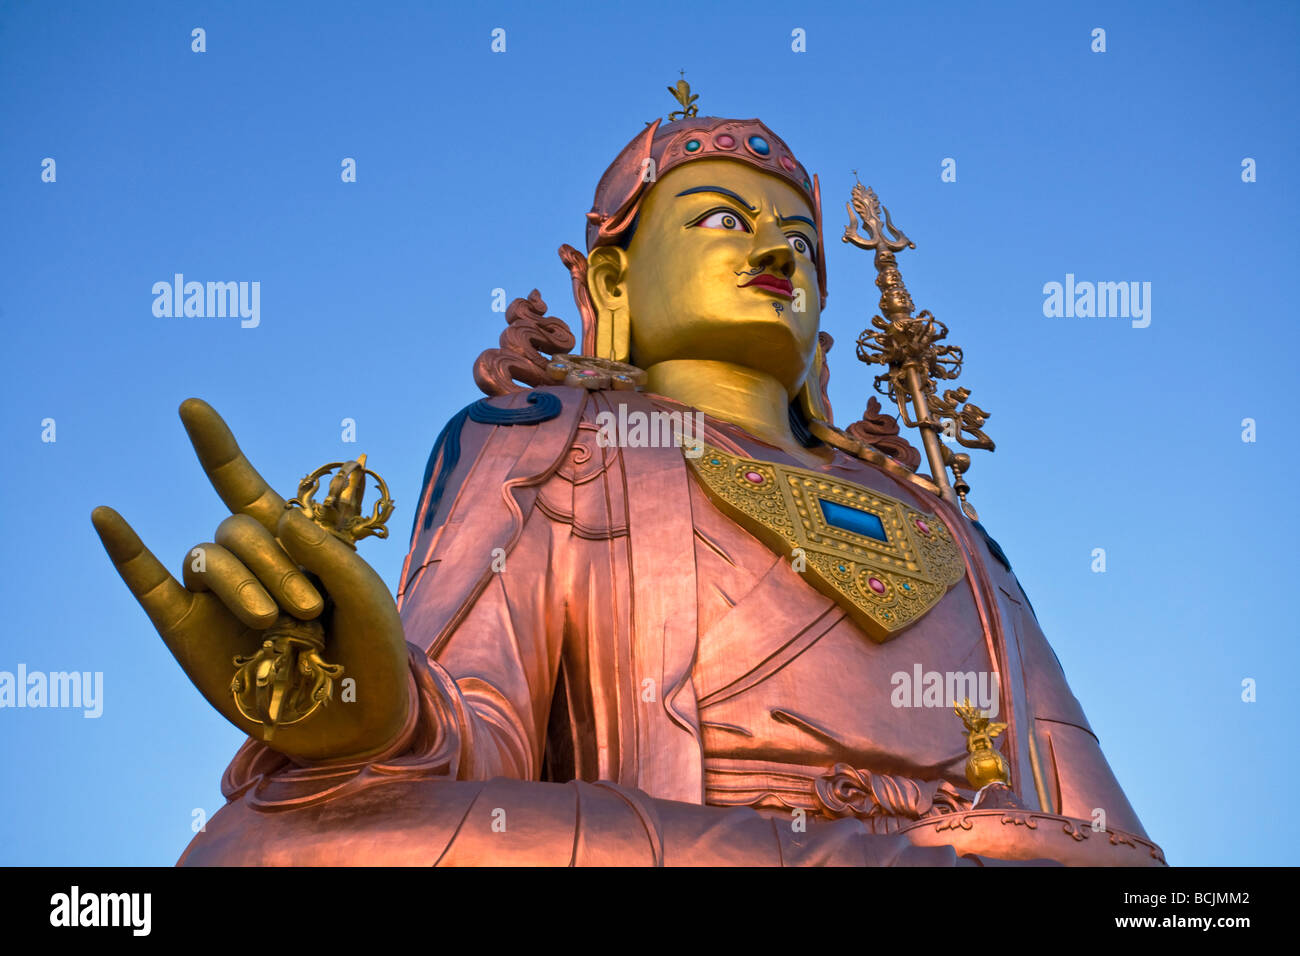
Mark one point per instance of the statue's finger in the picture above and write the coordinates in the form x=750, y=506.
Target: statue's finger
x=261, y=553
x=160, y=594
x=242, y=489
x=347, y=578
x=210, y=567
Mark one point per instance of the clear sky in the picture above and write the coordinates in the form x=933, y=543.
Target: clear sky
x=474, y=166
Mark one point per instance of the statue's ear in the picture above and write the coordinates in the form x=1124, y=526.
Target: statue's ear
x=607, y=283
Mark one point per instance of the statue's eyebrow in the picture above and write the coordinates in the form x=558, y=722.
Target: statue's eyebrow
x=720, y=191
x=784, y=219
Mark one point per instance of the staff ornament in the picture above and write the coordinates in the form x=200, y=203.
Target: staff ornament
x=910, y=347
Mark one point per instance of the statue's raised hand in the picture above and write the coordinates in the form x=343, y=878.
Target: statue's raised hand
x=247, y=576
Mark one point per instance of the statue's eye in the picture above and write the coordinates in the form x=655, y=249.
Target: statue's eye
x=800, y=244
x=724, y=219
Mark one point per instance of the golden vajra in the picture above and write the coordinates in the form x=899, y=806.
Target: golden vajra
x=908, y=346
x=287, y=679
x=984, y=765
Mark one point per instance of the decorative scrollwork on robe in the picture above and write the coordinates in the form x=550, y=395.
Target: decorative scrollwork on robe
x=881, y=431
x=883, y=801
x=530, y=338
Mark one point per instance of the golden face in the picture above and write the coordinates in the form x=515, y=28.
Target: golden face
x=721, y=267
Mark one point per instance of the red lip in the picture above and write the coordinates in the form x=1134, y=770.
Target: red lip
x=772, y=284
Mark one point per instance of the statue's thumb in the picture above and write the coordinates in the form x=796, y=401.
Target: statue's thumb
x=345, y=576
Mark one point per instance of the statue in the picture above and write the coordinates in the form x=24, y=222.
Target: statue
x=657, y=608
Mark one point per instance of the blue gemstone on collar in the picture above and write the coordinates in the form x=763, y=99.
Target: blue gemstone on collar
x=854, y=520
x=692, y=145
x=759, y=145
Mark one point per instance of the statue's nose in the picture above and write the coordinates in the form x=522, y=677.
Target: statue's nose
x=772, y=251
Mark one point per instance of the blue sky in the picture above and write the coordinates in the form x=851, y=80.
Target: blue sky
x=474, y=166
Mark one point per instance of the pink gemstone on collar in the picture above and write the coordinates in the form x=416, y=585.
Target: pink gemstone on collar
x=726, y=141
x=922, y=526
x=876, y=585
x=754, y=476
x=788, y=163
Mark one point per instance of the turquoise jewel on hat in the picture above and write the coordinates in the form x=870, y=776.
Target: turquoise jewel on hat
x=758, y=145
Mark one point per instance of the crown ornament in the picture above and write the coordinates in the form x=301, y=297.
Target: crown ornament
x=681, y=92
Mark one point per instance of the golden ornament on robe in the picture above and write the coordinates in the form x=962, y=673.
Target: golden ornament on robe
x=984, y=765
x=886, y=563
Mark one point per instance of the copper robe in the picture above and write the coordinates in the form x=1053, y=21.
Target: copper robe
x=608, y=670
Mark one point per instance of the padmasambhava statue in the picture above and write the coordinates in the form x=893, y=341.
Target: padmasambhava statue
x=657, y=609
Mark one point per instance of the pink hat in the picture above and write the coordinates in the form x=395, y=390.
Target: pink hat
x=624, y=185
